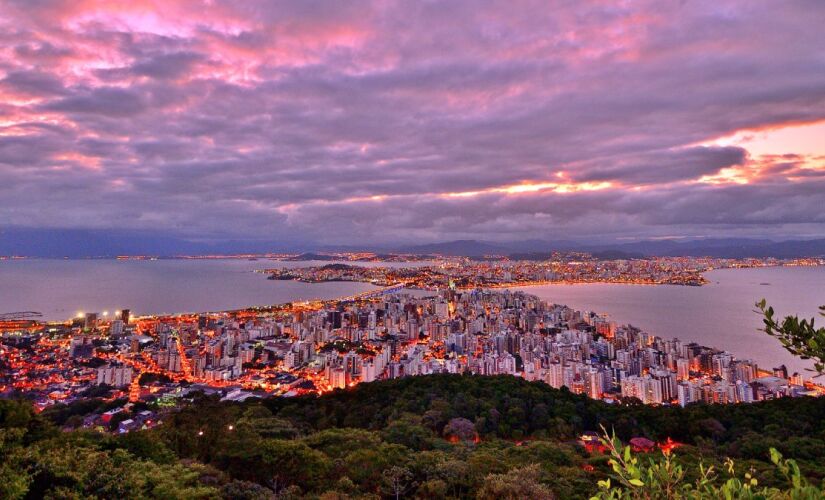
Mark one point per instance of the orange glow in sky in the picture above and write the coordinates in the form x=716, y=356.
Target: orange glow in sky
x=805, y=139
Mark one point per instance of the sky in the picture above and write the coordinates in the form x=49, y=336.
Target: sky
x=377, y=122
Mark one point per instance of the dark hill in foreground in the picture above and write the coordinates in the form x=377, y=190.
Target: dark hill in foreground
x=512, y=408
x=439, y=436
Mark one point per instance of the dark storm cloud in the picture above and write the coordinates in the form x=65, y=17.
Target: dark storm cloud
x=166, y=65
x=665, y=166
x=104, y=101
x=354, y=122
x=33, y=83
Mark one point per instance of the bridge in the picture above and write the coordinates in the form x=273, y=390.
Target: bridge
x=20, y=315
x=384, y=291
x=373, y=293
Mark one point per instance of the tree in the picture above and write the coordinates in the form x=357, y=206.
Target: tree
x=434, y=488
x=799, y=337
x=366, y=466
x=337, y=443
x=14, y=478
x=246, y=490
x=294, y=463
x=146, y=445
x=259, y=423
x=458, y=476
x=460, y=429
x=189, y=481
x=516, y=484
x=397, y=480
x=409, y=432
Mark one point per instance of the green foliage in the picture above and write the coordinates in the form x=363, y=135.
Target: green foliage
x=88, y=472
x=337, y=443
x=14, y=477
x=433, y=488
x=665, y=478
x=60, y=413
x=556, y=414
x=258, y=423
x=292, y=463
x=20, y=415
x=799, y=337
x=394, y=438
x=408, y=431
x=397, y=481
x=245, y=490
x=515, y=485
x=366, y=466
x=503, y=406
x=146, y=446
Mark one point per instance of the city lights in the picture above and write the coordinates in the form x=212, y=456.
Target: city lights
x=462, y=319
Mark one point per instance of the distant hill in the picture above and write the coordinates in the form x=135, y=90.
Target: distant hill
x=720, y=247
x=313, y=256
x=599, y=254
x=86, y=243
x=727, y=248
x=468, y=248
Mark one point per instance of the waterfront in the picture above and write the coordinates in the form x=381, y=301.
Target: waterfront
x=719, y=314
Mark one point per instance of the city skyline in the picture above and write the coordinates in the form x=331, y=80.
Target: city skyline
x=370, y=123
x=314, y=347
x=383, y=249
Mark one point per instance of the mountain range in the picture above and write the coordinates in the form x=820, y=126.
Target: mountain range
x=78, y=243
x=716, y=247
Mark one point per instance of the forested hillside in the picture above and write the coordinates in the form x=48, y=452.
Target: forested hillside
x=442, y=436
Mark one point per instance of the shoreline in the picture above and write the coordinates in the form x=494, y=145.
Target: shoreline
x=297, y=309
x=380, y=287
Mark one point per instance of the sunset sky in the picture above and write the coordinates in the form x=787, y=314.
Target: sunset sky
x=368, y=122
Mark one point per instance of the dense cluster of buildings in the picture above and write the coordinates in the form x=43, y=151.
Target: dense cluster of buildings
x=569, y=267
x=319, y=347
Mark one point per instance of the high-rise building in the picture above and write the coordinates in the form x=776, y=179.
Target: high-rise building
x=114, y=375
x=682, y=369
x=90, y=322
x=116, y=328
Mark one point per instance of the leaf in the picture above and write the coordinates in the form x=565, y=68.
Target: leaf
x=776, y=457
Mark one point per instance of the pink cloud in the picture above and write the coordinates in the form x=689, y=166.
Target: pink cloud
x=321, y=110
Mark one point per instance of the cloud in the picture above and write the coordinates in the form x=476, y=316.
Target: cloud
x=661, y=167
x=167, y=66
x=33, y=83
x=104, y=101
x=365, y=122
